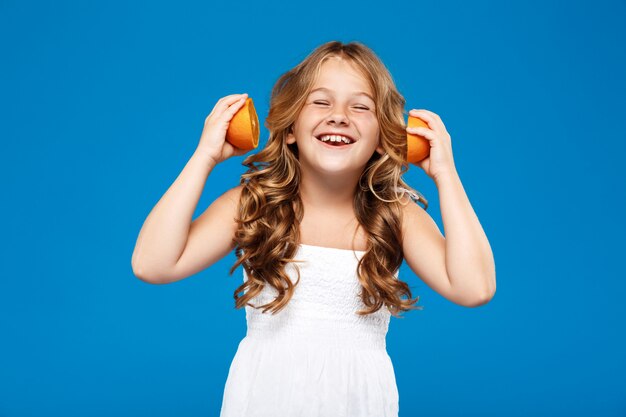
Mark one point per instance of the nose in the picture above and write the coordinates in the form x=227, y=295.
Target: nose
x=338, y=116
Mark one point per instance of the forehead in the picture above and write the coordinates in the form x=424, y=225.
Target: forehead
x=354, y=93
x=340, y=76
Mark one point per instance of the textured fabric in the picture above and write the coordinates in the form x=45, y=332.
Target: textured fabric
x=316, y=357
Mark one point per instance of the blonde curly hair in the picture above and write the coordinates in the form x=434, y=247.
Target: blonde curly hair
x=271, y=210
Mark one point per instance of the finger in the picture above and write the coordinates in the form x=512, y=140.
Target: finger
x=233, y=99
x=422, y=131
x=427, y=112
x=417, y=112
x=434, y=117
x=234, y=107
x=432, y=120
x=424, y=116
x=422, y=113
x=238, y=151
x=225, y=102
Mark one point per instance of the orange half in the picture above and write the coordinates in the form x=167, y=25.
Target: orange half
x=418, y=147
x=243, y=130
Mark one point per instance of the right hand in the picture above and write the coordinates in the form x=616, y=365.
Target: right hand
x=213, y=142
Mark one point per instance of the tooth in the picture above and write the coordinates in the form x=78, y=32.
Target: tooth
x=335, y=138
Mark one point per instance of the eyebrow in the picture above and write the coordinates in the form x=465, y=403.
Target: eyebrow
x=358, y=93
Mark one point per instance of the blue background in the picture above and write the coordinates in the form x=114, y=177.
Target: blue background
x=102, y=104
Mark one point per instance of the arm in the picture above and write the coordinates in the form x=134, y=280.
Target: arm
x=469, y=259
x=166, y=235
x=460, y=266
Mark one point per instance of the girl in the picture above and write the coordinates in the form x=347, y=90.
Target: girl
x=321, y=222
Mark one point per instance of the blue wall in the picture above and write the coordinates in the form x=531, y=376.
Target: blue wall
x=103, y=103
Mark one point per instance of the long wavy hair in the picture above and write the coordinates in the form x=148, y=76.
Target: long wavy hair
x=270, y=207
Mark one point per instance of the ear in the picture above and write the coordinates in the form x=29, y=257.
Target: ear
x=290, y=138
x=380, y=150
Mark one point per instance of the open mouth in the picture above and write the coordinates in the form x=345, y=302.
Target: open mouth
x=334, y=141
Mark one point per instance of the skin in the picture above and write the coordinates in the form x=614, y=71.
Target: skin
x=329, y=176
x=459, y=266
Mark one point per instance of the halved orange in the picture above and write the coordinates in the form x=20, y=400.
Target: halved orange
x=243, y=129
x=418, y=146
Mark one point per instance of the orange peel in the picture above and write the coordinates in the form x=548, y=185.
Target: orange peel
x=418, y=147
x=243, y=129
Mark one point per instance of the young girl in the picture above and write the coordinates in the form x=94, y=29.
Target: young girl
x=321, y=222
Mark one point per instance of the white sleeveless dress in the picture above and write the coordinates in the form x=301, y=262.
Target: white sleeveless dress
x=316, y=357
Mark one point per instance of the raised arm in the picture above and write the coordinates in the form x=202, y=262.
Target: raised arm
x=461, y=266
x=161, y=253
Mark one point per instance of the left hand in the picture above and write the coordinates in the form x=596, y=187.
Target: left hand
x=439, y=162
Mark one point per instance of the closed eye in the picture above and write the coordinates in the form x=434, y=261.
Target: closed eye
x=357, y=107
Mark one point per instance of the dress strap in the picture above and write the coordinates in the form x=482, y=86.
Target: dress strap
x=415, y=196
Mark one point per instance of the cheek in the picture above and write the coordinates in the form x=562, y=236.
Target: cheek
x=374, y=128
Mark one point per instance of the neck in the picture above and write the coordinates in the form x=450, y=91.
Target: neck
x=328, y=192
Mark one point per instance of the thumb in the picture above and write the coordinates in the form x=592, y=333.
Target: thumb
x=239, y=152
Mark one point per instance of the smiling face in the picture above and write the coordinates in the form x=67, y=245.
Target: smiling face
x=341, y=101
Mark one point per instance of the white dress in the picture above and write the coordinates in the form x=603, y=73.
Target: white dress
x=316, y=357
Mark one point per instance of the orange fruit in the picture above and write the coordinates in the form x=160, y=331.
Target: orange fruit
x=418, y=147
x=243, y=129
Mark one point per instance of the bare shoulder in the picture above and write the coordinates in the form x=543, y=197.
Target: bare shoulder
x=414, y=215
x=232, y=194
x=211, y=236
